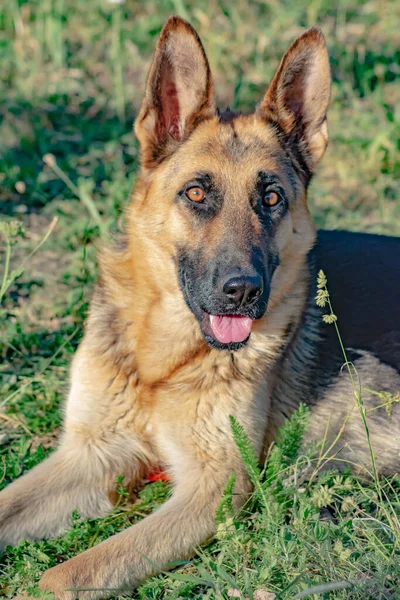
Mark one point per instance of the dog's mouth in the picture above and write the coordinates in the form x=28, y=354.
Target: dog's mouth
x=220, y=331
x=227, y=330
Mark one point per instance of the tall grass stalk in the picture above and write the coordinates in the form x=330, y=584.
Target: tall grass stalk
x=323, y=299
x=116, y=54
x=10, y=231
x=81, y=191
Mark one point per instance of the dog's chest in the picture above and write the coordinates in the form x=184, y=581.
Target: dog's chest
x=193, y=409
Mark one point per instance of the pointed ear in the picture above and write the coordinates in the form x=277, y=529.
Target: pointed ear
x=179, y=92
x=298, y=96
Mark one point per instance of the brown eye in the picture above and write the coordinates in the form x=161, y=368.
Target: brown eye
x=195, y=194
x=271, y=199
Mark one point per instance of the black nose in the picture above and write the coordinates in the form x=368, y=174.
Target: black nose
x=243, y=289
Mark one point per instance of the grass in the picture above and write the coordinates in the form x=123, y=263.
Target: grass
x=72, y=80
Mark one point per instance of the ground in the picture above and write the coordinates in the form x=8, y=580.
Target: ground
x=72, y=78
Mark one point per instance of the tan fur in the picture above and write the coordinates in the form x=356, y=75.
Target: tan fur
x=281, y=102
x=145, y=387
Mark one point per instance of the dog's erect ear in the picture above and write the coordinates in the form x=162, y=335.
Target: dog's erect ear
x=298, y=95
x=179, y=92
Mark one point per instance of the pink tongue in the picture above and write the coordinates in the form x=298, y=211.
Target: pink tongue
x=230, y=328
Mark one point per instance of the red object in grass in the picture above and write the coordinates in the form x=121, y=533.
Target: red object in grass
x=157, y=475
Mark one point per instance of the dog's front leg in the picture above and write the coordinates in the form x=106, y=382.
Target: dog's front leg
x=97, y=446
x=171, y=533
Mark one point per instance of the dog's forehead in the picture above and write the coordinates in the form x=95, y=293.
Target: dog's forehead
x=236, y=150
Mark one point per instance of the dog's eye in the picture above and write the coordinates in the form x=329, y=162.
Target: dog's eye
x=270, y=199
x=195, y=194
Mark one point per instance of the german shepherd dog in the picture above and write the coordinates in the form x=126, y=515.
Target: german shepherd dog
x=205, y=308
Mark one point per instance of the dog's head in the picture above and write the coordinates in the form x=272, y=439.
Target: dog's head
x=224, y=195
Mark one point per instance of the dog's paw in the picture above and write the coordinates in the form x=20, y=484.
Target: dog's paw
x=60, y=580
x=80, y=577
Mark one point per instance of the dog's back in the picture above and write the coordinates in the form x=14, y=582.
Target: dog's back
x=363, y=273
x=363, y=281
